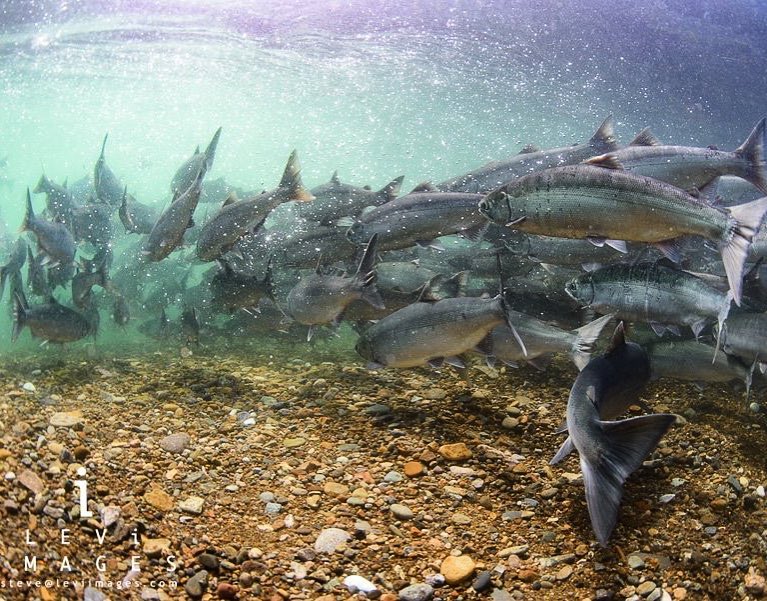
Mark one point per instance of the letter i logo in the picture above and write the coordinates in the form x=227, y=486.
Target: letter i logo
x=83, y=486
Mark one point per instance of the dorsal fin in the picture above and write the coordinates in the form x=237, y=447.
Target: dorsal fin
x=334, y=179
x=645, y=138
x=618, y=340
x=529, y=148
x=423, y=187
x=231, y=199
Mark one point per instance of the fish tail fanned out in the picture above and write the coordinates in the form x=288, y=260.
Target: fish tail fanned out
x=752, y=150
x=291, y=181
x=744, y=223
x=585, y=337
x=625, y=445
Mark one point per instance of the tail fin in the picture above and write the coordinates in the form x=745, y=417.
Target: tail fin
x=29, y=216
x=627, y=442
x=391, y=190
x=744, y=223
x=585, y=337
x=19, y=314
x=366, y=275
x=210, y=151
x=440, y=287
x=752, y=150
x=291, y=180
x=603, y=139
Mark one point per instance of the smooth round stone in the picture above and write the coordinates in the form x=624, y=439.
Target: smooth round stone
x=330, y=539
x=456, y=569
x=482, y=582
x=175, y=443
x=273, y=508
x=401, y=512
x=455, y=452
x=416, y=592
x=266, y=497
x=358, y=583
x=393, y=477
x=413, y=469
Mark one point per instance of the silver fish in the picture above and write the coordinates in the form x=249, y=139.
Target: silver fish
x=320, y=299
x=652, y=293
x=51, y=321
x=168, y=233
x=610, y=451
x=497, y=173
x=236, y=218
x=541, y=340
x=194, y=168
x=690, y=167
x=53, y=239
x=419, y=218
x=334, y=200
x=432, y=332
x=600, y=204
x=107, y=186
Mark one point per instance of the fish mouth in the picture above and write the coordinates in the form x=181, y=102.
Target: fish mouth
x=484, y=207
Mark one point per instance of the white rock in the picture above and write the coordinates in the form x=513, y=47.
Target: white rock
x=359, y=583
x=29, y=387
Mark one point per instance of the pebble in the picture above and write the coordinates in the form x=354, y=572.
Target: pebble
x=159, y=499
x=461, y=518
x=377, y=409
x=357, y=583
x=335, y=489
x=273, y=508
x=416, y=592
x=635, y=562
x=519, y=550
x=393, y=477
x=225, y=590
x=266, y=497
x=500, y=594
x=175, y=443
x=680, y=593
x=435, y=394
x=197, y=584
x=413, y=469
x=93, y=594
x=401, y=512
x=293, y=442
x=456, y=569
x=667, y=498
x=455, y=452
x=509, y=423
x=482, y=582
x=208, y=561
x=66, y=419
x=154, y=547
x=330, y=539
x=29, y=387
x=754, y=582
x=646, y=588
x=32, y=481
x=192, y=505
x=564, y=573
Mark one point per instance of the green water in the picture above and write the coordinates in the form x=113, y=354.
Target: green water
x=428, y=94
